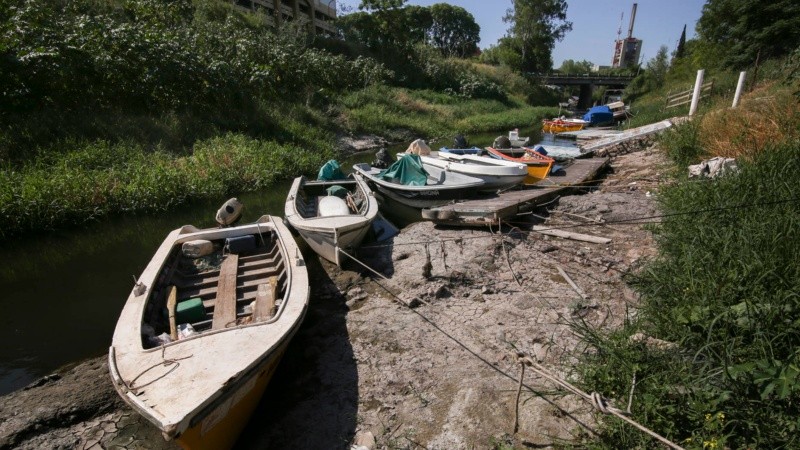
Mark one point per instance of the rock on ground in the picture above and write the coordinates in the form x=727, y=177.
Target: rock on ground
x=424, y=357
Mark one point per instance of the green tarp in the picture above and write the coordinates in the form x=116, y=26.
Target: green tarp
x=338, y=191
x=407, y=170
x=331, y=171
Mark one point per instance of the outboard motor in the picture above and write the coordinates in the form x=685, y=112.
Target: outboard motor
x=501, y=142
x=460, y=142
x=230, y=212
x=382, y=159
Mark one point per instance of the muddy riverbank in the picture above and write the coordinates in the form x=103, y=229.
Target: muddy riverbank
x=423, y=358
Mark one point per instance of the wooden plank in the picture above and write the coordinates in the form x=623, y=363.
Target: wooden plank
x=627, y=135
x=225, y=305
x=172, y=301
x=265, y=300
x=490, y=210
x=570, y=235
x=571, y=283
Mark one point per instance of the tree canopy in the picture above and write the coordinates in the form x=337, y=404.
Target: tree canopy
x=536, y=25
x=570, y=66
x=746, y=30
x=453, y=30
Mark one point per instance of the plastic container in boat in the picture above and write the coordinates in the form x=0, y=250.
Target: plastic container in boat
x=333, y=206
x=197, y=248
x=190, y=310
x=240, y=244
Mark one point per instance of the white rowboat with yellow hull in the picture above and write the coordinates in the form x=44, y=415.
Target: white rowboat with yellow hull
x=244, y=298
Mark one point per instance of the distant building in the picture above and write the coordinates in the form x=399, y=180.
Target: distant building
x=317, y=14
x=626, y=51
x=599, y=68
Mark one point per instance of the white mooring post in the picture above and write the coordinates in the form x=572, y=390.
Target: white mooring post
x=698, y=86
x=739, y=88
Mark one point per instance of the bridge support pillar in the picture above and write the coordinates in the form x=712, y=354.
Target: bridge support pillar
x=585, y=98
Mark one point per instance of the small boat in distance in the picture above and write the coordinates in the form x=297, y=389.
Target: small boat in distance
x=331, y=215
x=538, y=165
x=205, y=326
x=561, y=125
x=430, y=186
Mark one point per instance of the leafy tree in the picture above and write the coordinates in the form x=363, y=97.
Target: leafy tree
x=659, y=65
x=380, y=5
x=536, y=25
x=389, y=32
x=453, y=30
x=744, y=31
x=570, y=66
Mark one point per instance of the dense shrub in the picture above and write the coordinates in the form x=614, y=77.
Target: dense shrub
x=200, y=61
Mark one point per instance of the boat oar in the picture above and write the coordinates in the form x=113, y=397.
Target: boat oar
x=172, y=300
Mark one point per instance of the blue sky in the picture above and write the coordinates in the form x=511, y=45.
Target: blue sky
x=594, y=24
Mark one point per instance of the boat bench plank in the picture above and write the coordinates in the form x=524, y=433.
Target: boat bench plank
x=225, y=305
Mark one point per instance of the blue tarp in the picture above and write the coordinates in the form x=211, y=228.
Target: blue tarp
x=599, y=115
x=407, y=170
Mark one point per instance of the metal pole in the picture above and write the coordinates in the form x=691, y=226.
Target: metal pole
x=739, y=88
x=698, y=86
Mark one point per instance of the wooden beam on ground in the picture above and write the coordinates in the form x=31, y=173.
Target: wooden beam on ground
x=571, y=283
x=225, y=305
x=570, y=235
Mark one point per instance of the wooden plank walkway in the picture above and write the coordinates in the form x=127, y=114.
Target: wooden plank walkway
x=627, y=135
x=589, y=133
x=492, y=209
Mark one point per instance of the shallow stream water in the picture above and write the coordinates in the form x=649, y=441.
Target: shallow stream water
x=63, y=291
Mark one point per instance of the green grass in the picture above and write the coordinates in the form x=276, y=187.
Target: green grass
x=725, y=289
x=95, y=179
x=427, y=114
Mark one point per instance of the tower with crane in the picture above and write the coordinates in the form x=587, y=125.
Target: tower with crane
x=626, y=51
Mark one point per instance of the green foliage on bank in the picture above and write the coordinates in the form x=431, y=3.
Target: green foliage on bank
x=88, y=181
x=409, y=113
x=138, y=105
x=724, y=290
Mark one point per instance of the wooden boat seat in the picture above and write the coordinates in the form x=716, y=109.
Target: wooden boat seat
x=225, y=304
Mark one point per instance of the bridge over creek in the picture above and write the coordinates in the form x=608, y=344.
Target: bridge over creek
x=587, y=82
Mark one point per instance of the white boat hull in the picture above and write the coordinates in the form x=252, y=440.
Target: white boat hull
x=327, y=234
x=201, y=389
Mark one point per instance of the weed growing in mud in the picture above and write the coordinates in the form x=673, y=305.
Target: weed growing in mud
x=723, y=295
x=682, y=144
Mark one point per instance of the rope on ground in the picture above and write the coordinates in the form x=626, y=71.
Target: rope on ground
x=632, y=221
x=519, y=392
x=596, y=399
x=505, y=251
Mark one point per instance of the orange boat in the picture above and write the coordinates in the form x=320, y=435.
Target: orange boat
x=562, y=125
x=538, y=165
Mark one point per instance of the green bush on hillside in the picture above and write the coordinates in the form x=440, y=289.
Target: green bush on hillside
x=78, y=65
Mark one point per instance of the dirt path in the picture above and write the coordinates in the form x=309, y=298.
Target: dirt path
x=422, y=360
